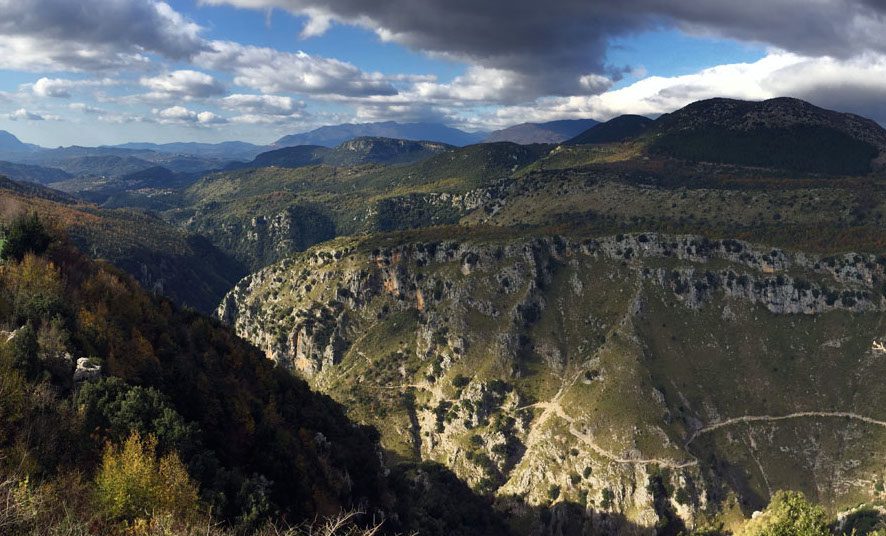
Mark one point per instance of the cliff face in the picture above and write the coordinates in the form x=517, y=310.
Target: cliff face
x=654, y=376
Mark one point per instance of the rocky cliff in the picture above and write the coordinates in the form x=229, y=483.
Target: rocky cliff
x=629, y=376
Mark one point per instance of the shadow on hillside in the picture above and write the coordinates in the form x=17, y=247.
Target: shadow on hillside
x=433, y=501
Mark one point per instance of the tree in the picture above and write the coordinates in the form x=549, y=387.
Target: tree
x=117, y=409
x=788, y=514
x=133, y=484
x=25, y=234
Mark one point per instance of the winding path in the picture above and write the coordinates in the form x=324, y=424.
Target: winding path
x=771, y=418
x=554, y=408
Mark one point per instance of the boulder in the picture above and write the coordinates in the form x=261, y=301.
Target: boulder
x=86, y=371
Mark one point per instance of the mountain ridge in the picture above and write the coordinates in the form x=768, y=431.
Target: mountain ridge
x=617, y=129
x=356, y=151
x=333, y=135
x=548, y=132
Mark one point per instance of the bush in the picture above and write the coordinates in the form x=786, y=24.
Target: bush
x=116, y=409
x=26, y=234
x=34, y=290
x=788, y=514
x=133, y=483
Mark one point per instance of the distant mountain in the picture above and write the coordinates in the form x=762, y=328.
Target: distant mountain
x=383, y=151
x=30, y=173
x=228, y=150
x=104, y=166
x=334, y=135
x=157, y=177
x=364, y=150
x=287, y=157
x=96, y=161
x=32, y=190
x=781, y=133
x=550, y=132
x=621, y=128
x=12, y=148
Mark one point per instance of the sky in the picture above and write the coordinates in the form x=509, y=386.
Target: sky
x=92, y=72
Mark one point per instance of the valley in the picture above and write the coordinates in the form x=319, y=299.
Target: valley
x=649, y=326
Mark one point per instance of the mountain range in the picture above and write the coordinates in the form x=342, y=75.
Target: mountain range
x=550, y=132
x=362, y=150
x=331, y=136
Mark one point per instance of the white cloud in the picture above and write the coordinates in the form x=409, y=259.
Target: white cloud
x=274, y=105
x=272, y=71
x=261, y=119
x=183, y=84
x=182, y=116
x=26, y=53
x=857, y=85
x=61, y=87
x=85, y=108
x=318, y=23
x=26, y=115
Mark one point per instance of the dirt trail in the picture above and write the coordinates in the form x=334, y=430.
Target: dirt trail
x=771, y=418
x=555, y=409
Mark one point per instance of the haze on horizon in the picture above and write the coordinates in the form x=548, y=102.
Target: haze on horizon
x=114, y=71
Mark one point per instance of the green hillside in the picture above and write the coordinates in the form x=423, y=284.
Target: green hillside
x=785, y=134
x=261, y=215
x=618, y=129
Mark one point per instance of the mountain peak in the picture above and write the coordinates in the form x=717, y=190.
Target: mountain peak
x=10, y=143
x=782, y=133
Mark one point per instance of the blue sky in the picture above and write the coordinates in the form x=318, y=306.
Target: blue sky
x=111, y=71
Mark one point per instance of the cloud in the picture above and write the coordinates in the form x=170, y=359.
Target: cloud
x=261, y=119
x=182, y=116
x=25, y=115
x=555, y=45
x=85, y=108
x=108, y=116
x=265, y=109
x=62, y=35
x=273, y=105
x=272, y=71
x=23, y=53
x=61, y=87
x=183, y=84
x=856, y=85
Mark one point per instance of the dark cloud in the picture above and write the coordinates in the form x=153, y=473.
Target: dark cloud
x=73, y=34
x=555, y=42
x=839, y=28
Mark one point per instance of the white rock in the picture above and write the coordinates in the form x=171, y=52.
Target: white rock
x=86, y=371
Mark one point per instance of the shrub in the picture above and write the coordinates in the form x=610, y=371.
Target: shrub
x=788, y=514
x=116, y=409
x=25, y=234
x=133, y=483
x=34, y=289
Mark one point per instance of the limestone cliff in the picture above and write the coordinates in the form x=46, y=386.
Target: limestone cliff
x=646, y=376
